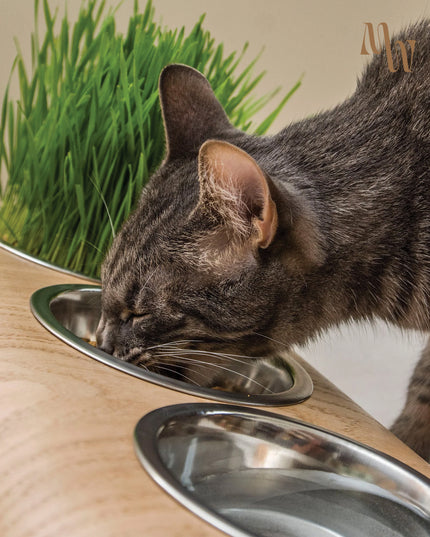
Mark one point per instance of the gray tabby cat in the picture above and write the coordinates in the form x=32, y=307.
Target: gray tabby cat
x=244, y=243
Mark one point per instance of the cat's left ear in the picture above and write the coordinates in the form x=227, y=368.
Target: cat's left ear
x=233, y=186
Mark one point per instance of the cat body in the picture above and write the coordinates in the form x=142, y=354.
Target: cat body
x=241, y=244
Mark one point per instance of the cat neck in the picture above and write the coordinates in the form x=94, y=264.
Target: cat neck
x=360, y=177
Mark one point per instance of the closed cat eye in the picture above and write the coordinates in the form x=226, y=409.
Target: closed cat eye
x=132, y=317
x=140, y=317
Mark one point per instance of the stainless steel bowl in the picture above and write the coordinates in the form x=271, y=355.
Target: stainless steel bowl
x=72, y=313
x=253, y=473
x=41, y=262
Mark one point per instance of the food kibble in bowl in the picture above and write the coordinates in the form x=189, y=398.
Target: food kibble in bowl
x=91, y=342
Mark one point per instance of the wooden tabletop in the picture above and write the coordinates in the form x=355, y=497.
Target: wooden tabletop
x=67, y=462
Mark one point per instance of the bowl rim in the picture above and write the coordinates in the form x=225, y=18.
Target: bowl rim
x=33, y=259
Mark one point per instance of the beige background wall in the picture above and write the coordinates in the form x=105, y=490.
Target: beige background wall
x=322, y=41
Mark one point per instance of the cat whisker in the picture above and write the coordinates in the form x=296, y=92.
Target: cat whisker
x=196, y=363
x=139, y=362
x=173, y=343
x=214, y=354
x=205, y=354
x=272, y=339
x=218, y=366
x=165, y=368
x=148, y=279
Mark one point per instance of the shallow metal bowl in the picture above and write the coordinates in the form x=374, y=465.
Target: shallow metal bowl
x=72, y=313
x=46, y=264
x=254, y=473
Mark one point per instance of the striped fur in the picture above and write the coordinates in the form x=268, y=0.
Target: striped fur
x=351, y=188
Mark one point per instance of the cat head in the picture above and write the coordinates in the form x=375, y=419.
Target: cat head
x=212, y=256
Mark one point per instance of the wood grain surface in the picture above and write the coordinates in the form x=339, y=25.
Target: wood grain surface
x=67, y=463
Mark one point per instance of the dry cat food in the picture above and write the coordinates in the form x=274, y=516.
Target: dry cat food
x=91, y=342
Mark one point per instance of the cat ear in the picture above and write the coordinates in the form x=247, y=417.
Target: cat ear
x=235, y=193
x=191, y=112
x=234, y=186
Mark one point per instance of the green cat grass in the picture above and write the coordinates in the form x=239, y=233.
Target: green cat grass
x=85, y=133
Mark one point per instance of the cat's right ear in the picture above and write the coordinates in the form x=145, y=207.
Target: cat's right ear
x=191, y=112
